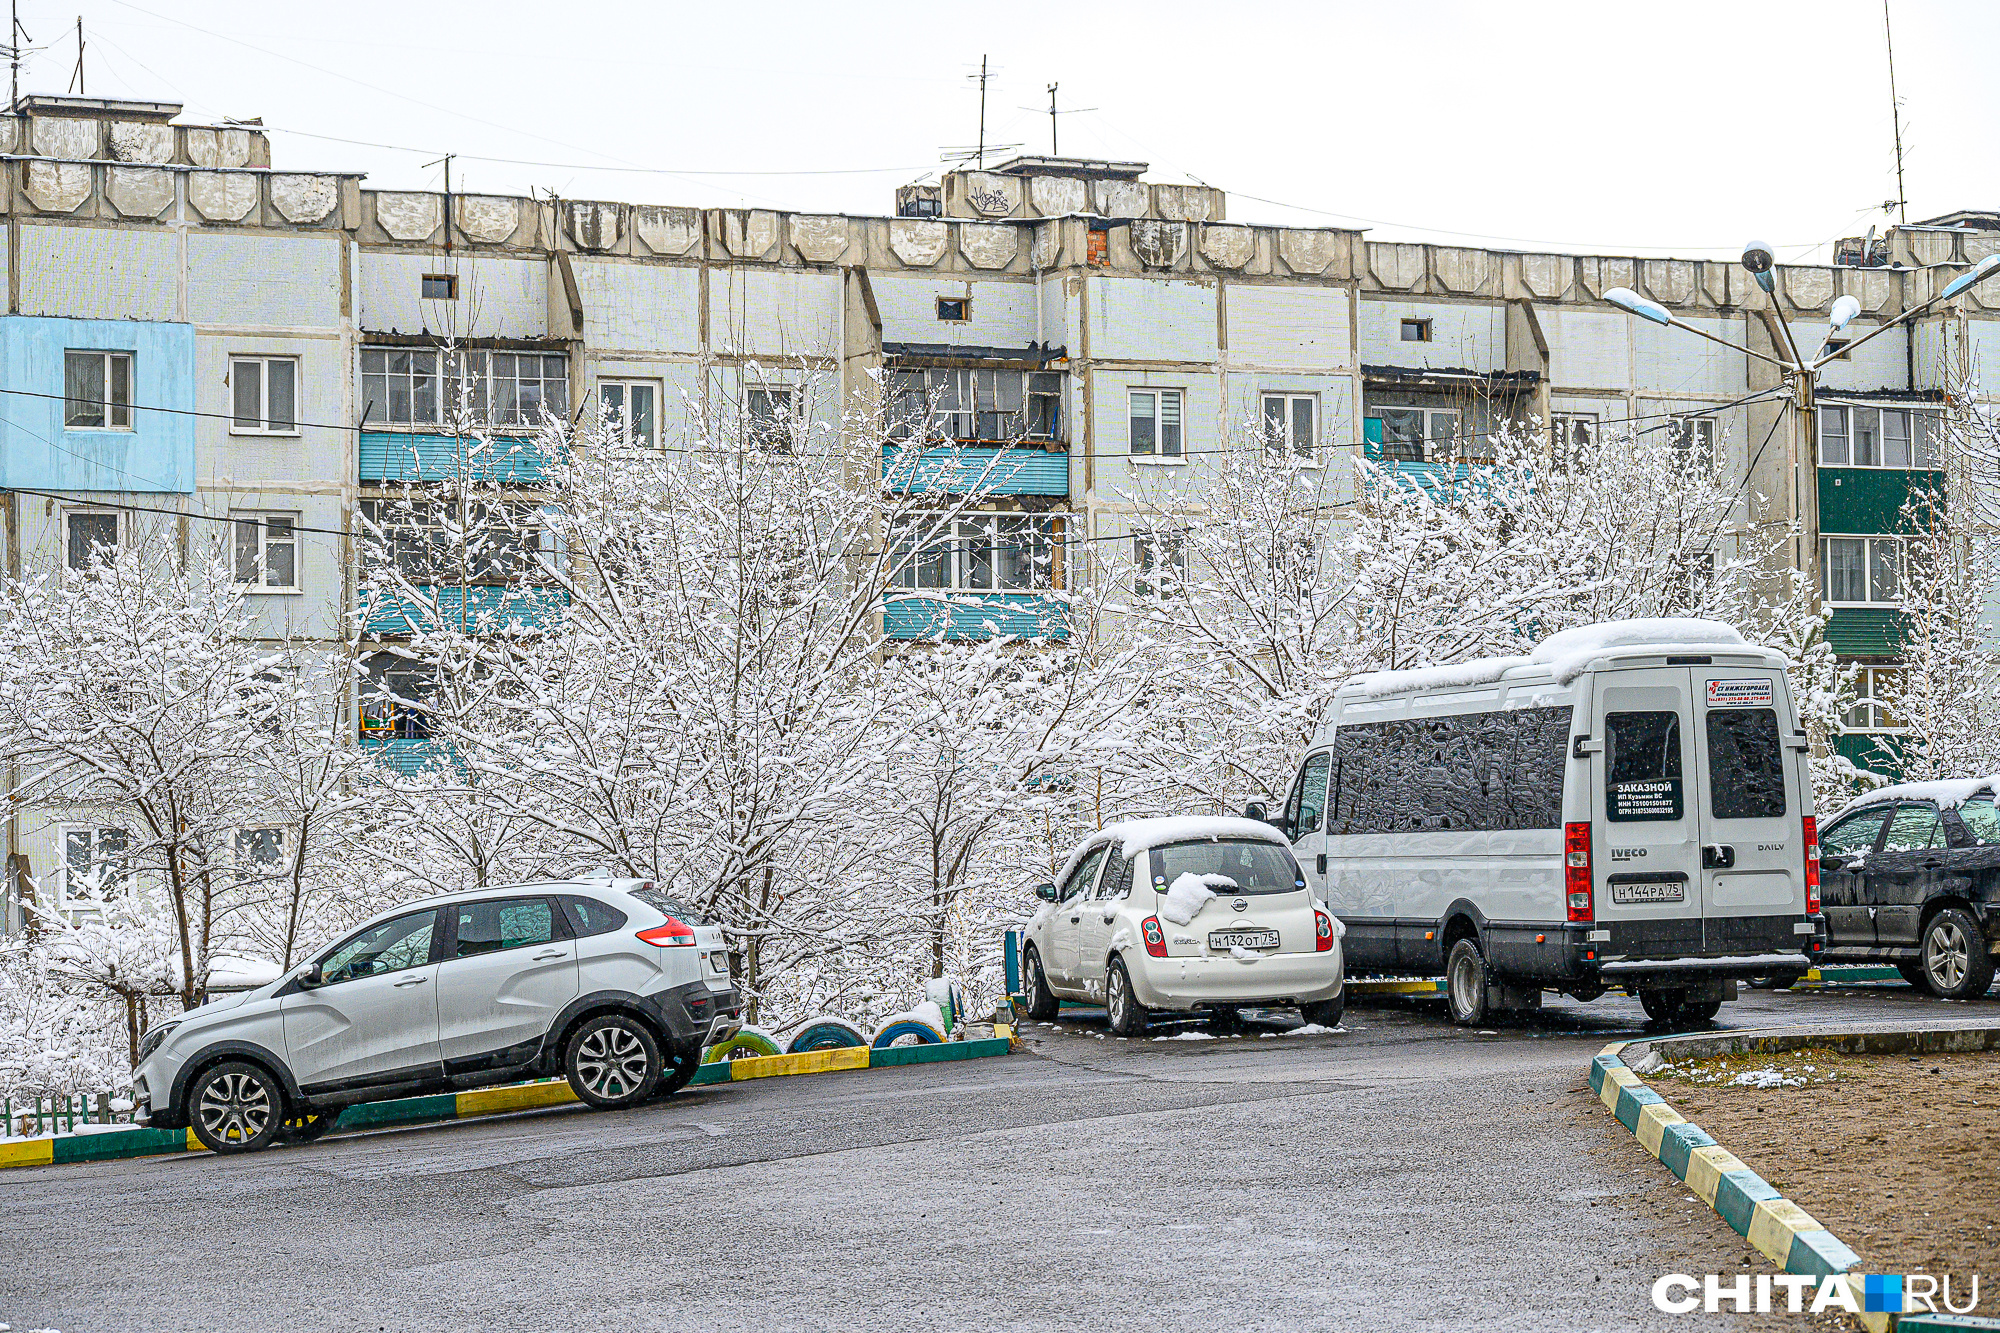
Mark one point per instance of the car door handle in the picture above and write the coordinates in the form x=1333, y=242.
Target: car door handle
x=1933, y=864
x=551, y=953
x=412, y=981
x=1322, y=863
x=1109, y=917
x=1073, y=920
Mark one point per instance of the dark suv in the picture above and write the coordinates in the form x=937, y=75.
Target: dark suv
x=1912, y=877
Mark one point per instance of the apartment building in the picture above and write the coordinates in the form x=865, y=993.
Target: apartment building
x=266, y=355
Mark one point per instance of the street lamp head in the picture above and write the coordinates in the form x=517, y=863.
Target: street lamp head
x=1979, y=272
x=1628, y=300
x=1759, y=259
x=1844, y=311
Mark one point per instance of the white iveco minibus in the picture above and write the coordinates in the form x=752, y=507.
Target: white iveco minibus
x=1626, y=807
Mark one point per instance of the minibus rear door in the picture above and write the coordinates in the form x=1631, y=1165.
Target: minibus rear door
x=1753, y=854
x=1646, y=857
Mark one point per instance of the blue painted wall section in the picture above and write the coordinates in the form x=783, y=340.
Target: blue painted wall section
x=975, y=470
x=401, y=456
x=156, y=456
x=975, y=615
x=487, y=610
x=408, y=757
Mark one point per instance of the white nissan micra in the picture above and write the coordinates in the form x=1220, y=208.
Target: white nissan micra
x=1183, y=914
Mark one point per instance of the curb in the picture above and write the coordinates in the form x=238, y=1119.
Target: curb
x=115, y=1144
x=1783, y=1232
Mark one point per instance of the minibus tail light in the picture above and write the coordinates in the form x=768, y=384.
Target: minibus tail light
x=1576, y=871
x=1156, y=939
x=1812, y=866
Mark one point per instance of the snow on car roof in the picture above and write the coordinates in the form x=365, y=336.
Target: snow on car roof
x=1565, y=655
x=1137, y=835
x=1949, y=793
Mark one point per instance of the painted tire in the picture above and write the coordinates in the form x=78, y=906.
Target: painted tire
x=826, y=1034
x=749, y=1042
x=905, y=1026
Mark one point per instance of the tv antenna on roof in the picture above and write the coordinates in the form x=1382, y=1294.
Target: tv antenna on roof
x=1901, y=201
x=977, y=151
x=1053, y=113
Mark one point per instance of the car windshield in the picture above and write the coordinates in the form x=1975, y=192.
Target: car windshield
x=1228, y=867
x=673, y=907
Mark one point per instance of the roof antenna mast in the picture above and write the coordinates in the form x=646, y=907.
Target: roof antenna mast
x=78, y=80
x=15, y=35
x=1902, y=199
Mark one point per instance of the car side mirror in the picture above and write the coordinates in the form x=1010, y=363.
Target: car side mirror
x=1255, y=810
x=309, y=975
x=1046, y=892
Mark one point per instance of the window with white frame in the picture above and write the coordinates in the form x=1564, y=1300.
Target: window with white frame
x=88, y=534
x=974, y=405
x=631, y=407
x=1291, y=422
x=96, y=861
x=1159, y=562
x=1693, y=436
x=267, y=550
x=260, y=851
x=395, y=696
x=977, y=552
x=1851, y=435
x=416, y=386
x=770, y=418
x=1154, y=420
x=97, y=390
x=1416, y=434
x=264, y=395
x=496, y=541
x=1860, y=571
x=1873, y=686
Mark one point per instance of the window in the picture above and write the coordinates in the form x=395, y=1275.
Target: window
x=1981, y=819
x=1417, y=434
x=1746, y=766
x=1836, y=350
x=1854, y=835
x=504, y=923
x=1416, y=330
x=1161, y=560
x=260, y=851
x=1913, y=829
x=631, y=407
x=768, y=419
x=1571, y=434
x=1308, y=802
x=1693, y=436
x=427, y=387
x=399, y=943
x=267, y=550
x=97, y=390
x=440, y=286
x=1857, y=436
x=497, y=543
x=1116, y=881
x=977, y=552
x=1155, y=422
x=1870, y=711
x=1289, y=422
x=1497, y=771
x=587, y=916
x=1860, y=570
x=96, y=861
x=394, y=693
x=1244, y=867
x=89, y=533
x=1080, y=879
x=995, y=406
x=956, y=309
x=263, y=392
x=1642, y=766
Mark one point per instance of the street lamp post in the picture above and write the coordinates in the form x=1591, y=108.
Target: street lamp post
x=1800, y=373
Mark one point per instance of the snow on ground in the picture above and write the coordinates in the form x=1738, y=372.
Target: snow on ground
x=1188, y=1036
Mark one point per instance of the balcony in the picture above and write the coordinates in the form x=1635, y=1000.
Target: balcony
x=405, y=755
x=1866, y=631
x=479, y=609
x=406, y=456
x=1870, y=499
x=966, y=616
x=983, y=470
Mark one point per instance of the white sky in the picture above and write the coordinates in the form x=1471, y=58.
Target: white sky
x=1679, y=128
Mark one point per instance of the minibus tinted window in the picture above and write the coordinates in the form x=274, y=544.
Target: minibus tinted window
x=1466, y=772
x=1642, y=766
x=1746, y=767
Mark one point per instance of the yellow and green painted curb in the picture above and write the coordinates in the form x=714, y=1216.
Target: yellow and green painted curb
x=113, y=1144
x=1781, y=1230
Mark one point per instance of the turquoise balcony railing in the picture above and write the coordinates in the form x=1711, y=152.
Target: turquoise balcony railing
x=975, y=615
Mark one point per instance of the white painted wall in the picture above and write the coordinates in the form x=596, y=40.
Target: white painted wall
x=1151, y=319
x=98, y=273
x=286, y=281
x=1463, y=337
x=497, y=298
x=639, y=306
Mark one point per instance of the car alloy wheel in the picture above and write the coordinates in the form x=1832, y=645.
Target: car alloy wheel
x=1946, y=955
x=237, y=1107
x=612, y=1062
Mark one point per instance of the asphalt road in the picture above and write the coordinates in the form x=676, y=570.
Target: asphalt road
x=1400, y=1173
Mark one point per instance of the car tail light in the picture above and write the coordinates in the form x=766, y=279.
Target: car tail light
x=1322, y=931
x=1576, y=871
x=1156, y=939
x=1812, y=866
x=673, y=932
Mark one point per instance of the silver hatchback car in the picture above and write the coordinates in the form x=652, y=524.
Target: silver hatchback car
x=608, y=982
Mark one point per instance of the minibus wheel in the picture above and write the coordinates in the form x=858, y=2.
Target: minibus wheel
x=1465, y=984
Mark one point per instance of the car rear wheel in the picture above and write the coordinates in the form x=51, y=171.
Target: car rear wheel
x=1914, y=974
x=1225, y=1020
x=1777, y=981
x=1465, y=984
x=1662, y=1006
x=1042, y=1002
x=1956, y=964
x=236, y=1107
x=307, y=1128
x=613, y=1060
x=1326, y=1013
x=681, y=1068
x=1128, y=1016
x=1699, y=1011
